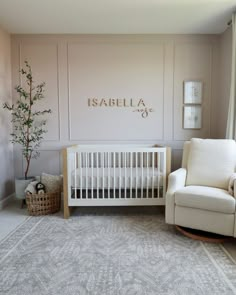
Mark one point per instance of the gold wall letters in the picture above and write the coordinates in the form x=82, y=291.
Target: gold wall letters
x=137, y=103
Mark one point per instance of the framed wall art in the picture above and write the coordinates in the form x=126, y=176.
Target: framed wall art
x=192, y=92
x=192, y=118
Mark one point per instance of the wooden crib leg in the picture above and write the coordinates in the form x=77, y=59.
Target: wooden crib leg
x=66, y=211
x=65, y=186
x=65, y=202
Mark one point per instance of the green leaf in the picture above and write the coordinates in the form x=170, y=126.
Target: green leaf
x=27, y=131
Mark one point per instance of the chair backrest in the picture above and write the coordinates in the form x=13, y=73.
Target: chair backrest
x=209, y=162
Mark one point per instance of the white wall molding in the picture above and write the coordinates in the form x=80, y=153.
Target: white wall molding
x=74, y=70
x=36, y=54
x=143, y=66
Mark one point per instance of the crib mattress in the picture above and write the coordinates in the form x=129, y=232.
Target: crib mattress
x=116, y=178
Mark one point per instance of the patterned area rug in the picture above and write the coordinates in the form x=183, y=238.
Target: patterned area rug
x=110, y=254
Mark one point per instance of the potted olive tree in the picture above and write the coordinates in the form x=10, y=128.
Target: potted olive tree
x=28, y=124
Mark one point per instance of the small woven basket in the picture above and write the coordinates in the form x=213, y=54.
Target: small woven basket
x=43, y=204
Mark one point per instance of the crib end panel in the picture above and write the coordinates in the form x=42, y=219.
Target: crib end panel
x=168, y=163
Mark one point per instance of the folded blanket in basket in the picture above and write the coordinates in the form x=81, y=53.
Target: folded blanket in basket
x=30, y=189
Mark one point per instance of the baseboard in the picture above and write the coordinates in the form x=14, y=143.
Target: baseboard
x=6, y=201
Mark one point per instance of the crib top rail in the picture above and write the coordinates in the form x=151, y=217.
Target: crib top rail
x=115, y=148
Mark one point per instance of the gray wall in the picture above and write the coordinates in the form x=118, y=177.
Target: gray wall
x=6, y=152
x=152, y=67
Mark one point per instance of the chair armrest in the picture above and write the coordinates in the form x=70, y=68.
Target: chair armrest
x=177, y=180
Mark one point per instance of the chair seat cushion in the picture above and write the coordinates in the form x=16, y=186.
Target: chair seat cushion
x=206, y=198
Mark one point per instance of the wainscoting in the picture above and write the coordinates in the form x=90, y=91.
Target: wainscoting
x=152, y=67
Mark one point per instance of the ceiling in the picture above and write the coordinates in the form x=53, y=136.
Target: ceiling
x=116, y=16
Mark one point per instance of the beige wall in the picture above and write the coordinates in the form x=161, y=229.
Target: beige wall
x=6, y=153
x=152, y=67
x=225, y=75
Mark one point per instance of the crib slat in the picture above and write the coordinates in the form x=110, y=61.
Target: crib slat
x=131, y=173
x=103, y=164
x=97, y=175
x=125, y=174
x=147, y=175
x=158, y=174
x=108, y=174
x=119, y=175
x=75, y=179
x=81, y=176
x=86, y=174
x=153, y=155
x=114, y=174
x=136, y=175
x=141, y=174
x=92, y=173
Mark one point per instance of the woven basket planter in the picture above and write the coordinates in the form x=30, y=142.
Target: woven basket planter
x=43, y=204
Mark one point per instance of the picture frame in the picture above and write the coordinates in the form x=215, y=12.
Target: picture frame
x=192, y=117
x=193, y=92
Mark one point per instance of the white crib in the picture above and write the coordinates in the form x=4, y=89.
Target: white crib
x=111, y=175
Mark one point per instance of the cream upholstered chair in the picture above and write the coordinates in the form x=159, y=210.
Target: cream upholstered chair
x=197, y=196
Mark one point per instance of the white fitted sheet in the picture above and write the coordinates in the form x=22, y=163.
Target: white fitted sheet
x=116, y=178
